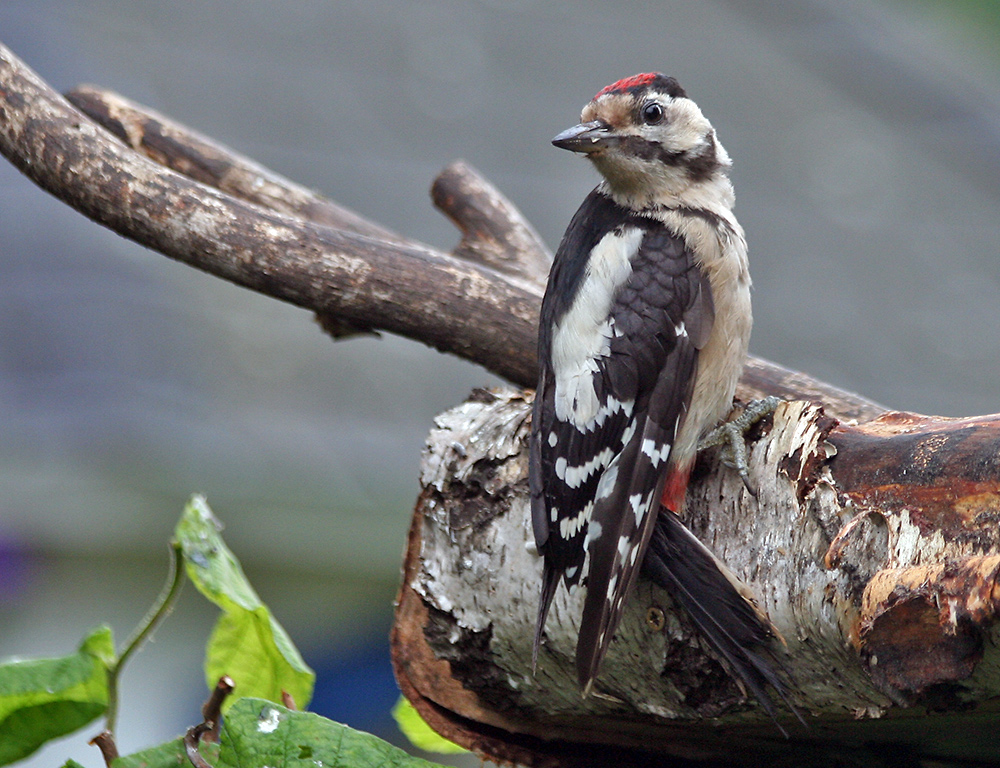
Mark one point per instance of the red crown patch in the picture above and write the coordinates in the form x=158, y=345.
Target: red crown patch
x=628, y=83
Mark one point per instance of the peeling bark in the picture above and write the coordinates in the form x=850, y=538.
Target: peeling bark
x=926, y=501
x=870, y=546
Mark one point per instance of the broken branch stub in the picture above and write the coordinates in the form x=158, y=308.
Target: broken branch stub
x=926, y=490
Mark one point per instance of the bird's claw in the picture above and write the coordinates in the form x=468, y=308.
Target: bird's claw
x=732, y=437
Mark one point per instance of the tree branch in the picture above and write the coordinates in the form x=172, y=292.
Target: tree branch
x=201, y=159
x=201, y=203
x=394, y=285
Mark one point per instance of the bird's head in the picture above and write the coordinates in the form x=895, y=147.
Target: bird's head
x=648, y=140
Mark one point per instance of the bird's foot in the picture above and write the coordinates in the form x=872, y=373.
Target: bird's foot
x=732, y=437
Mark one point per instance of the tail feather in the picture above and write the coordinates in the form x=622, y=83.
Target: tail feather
x=719, y=606
x=550, y=580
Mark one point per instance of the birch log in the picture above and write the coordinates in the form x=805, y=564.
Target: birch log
x=873, y=547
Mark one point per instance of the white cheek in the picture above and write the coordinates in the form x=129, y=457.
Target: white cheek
x=686, y=128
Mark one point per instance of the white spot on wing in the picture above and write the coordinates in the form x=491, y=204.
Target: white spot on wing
x=623, y=542
x=606, y=410
x=574, y=477
x=593, y=533
x=656, y=455
x=560, y=468
x=571, y=526
x=607, y=482
x=640, y=506
x=629, y=431
x=553, y=439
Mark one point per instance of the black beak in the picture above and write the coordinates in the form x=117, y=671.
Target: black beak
x=585, y=137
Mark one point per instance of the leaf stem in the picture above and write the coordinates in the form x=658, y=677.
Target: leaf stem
x=158, y=612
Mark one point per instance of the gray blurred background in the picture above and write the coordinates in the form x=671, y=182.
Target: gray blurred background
x=866, y=140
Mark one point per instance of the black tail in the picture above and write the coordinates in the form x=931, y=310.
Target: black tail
x=550, y=580
x=708, y=592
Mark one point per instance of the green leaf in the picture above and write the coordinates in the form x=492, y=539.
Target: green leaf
x=169, y=755
x=210, y=564
x=415, y=728
x=43, y=699
x=257, y=732
x=248, y=643
x=253, y=649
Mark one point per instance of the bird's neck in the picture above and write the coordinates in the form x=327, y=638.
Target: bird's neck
x=714, y=193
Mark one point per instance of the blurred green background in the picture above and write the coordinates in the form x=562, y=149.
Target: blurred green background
x=866, y=140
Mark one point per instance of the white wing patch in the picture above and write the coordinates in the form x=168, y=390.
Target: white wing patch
x=585, y=330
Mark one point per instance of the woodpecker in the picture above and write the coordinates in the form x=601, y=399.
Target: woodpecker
x=643, y=335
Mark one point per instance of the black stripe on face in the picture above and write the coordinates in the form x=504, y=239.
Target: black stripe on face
x=699, y=166
x=706, y=162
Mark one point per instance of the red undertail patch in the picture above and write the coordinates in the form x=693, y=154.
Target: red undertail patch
x=675, y=488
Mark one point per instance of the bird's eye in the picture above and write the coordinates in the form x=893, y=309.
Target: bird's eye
x=652, y=113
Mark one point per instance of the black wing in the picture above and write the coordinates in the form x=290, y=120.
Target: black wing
x=596, y=474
